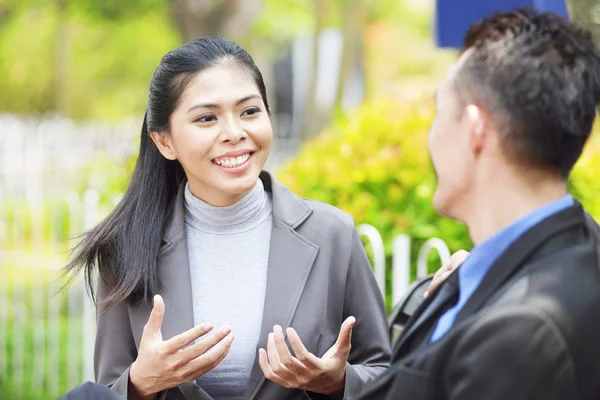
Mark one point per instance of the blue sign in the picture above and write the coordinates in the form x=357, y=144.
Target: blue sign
x=453, y=17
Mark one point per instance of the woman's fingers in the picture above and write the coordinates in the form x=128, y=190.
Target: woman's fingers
x=267, y=370
x=302, y=354
x=288, y=362
x=155, y=320
x=203, y=346
x=180, y=341
x=210, y=359
x=446, y=270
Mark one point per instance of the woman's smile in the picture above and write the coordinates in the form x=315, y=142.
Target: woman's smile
x=234, y=162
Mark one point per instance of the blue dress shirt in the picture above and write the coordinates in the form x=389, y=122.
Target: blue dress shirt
x=483, y=256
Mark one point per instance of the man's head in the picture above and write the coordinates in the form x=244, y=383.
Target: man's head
x=521, y=99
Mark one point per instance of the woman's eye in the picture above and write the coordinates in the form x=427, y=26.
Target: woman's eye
x=251, y=111
x=206, y=118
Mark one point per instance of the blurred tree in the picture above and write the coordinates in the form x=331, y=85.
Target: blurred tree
x=92, y=59
x=84, y=59
x=231, y=18
x=353, y=21
x=115, y=10
x=586, y=13
x=312, y=124
x=283, y=20
x=61, y=59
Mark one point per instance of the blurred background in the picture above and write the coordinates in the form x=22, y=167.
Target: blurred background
x=351, y=86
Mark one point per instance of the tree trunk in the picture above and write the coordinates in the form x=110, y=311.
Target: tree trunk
x=61, y=62
x=353, y=19
x=311, y=115
x=229, y=18
x=587, y=14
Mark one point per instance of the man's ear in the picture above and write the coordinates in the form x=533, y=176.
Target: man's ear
x=478, y=128
x=164, y=144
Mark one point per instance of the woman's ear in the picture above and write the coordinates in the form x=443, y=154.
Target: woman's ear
x=164, y=144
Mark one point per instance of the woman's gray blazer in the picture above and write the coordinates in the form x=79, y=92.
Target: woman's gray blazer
x=318, y=275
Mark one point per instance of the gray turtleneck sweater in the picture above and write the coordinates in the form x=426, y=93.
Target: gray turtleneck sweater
x=229, y=251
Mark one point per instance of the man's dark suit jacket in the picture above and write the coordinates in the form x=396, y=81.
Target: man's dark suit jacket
x=530, y=331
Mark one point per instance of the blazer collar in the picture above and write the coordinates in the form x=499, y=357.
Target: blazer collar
x=287, y=208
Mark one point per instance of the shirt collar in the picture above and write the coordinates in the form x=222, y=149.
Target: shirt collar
x=484, y=255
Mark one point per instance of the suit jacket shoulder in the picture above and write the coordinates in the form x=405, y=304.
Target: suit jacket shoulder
x=529, y=331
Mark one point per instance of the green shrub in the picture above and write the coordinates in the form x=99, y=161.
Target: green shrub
x=585, y=179
x=374, y=164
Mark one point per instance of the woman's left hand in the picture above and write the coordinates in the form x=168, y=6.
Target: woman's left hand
x=325, y=375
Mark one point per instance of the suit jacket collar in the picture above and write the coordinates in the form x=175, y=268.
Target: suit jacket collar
x=513, y=259
x=426, y=314
x=507, y=265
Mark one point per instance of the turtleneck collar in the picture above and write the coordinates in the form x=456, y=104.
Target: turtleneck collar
x=242, y=216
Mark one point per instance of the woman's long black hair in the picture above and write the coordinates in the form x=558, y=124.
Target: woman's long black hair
x=125, y=246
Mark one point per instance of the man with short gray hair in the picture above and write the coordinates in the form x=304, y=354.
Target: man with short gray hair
x=520, y=318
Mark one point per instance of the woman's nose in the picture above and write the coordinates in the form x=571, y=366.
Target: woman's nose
x=233, y=132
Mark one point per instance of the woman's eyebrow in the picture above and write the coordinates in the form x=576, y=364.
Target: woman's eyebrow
x=212, y=105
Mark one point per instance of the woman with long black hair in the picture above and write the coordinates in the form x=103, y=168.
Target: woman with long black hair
x=214, y=280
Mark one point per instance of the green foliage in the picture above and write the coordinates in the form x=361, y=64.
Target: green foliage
x=374, y=164
x=28, y=322
x=93, y=59
x=41, y=226
x=585, y=179
x=109, y=178
x=117, y=9
x=414, y=19
x=110, y=57
x=280, y=21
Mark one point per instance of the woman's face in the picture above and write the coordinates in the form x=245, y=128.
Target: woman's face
x=221, y=134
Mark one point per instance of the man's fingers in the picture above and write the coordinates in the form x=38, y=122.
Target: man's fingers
x=210, y=359
x=345, y=336
x=156, y=316
x=204, y=345
x=180, y=341
x=302, y=354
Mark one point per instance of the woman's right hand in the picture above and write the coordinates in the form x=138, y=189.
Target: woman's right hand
x=448, y=268
x=161, y=365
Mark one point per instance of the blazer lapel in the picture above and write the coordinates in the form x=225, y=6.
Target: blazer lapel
x=515, y=256
x=174, y=273
x=176, y=286
x=426, y=312
x=291, y=257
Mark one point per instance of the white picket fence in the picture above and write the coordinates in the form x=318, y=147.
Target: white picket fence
x=46, y=329
x=41, y=156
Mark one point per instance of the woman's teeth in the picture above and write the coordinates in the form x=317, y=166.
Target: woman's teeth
x=232, y=162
